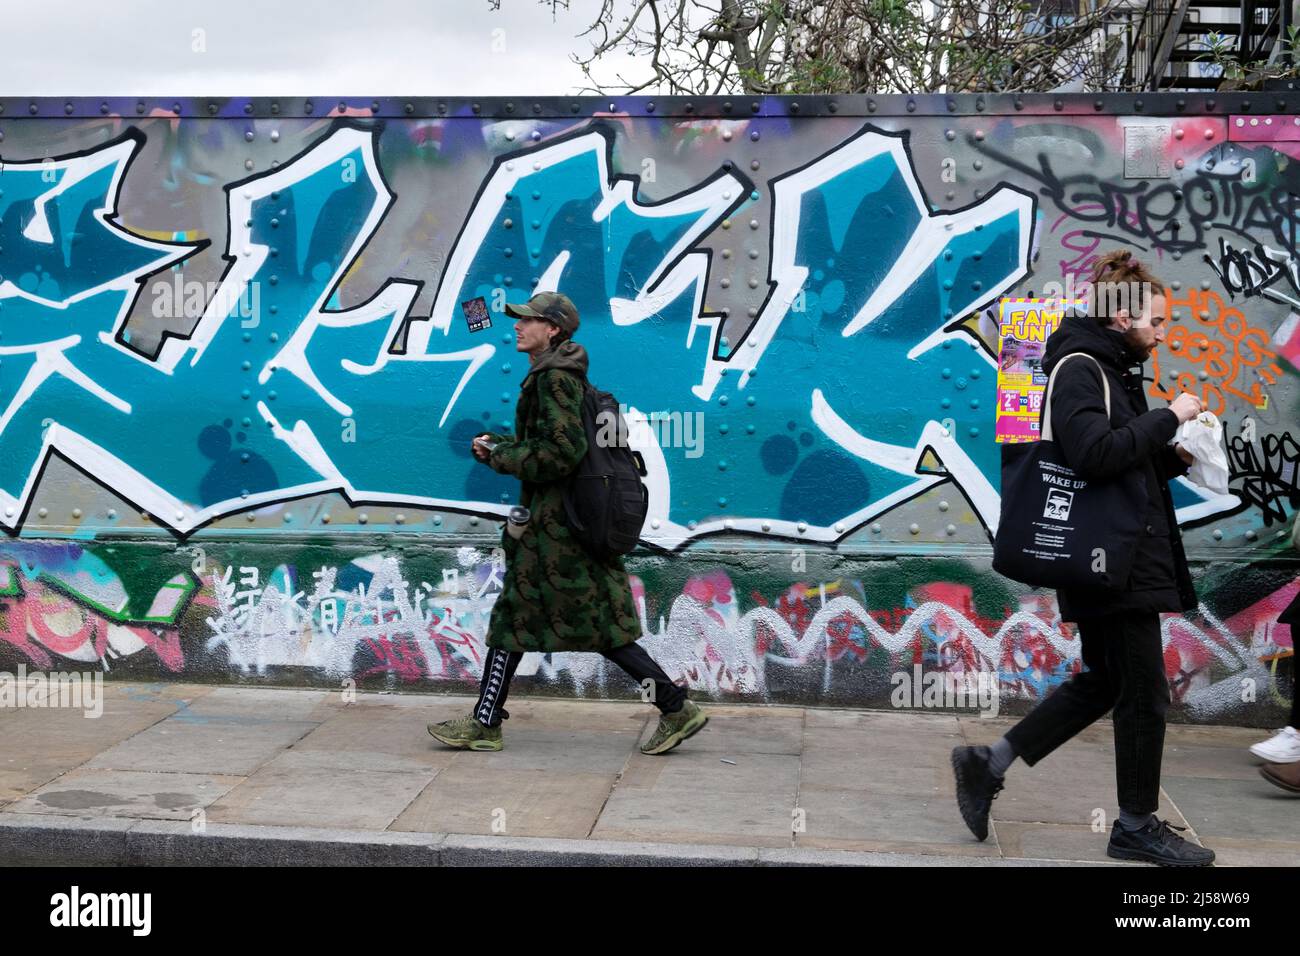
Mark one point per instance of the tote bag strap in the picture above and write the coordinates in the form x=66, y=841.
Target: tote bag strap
x=1047, y=402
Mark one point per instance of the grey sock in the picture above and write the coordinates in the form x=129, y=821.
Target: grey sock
x=1134, y=821
x=1002, y=756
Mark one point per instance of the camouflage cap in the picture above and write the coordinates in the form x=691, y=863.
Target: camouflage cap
x=552, y=306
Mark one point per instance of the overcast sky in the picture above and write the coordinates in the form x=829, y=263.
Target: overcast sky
x=294, y=47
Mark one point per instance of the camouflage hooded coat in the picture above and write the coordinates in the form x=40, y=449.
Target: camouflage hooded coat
x=555, y=595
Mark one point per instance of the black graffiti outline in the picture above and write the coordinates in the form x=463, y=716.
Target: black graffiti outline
x=1268, y=483
x=1256, y=271
x=1235, y=207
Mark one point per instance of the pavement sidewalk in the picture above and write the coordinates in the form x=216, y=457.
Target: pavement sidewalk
x=299, y=776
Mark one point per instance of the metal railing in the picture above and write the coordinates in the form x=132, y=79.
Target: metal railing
x=1258, y=39
x=1261, y=25
x=1146, y=35
x=1145, y=38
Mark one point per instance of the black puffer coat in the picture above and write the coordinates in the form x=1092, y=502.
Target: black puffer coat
x=1134, y=438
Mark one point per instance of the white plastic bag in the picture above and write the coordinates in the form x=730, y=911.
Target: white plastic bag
x=1203, y=439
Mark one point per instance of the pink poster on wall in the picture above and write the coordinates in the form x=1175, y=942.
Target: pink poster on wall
x=1023, y=328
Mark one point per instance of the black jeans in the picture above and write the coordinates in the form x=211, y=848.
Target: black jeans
x=1295, y=690
x=1125, y=669
x=499, y=669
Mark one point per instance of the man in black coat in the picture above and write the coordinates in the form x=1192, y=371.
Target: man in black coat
x=1119, y=629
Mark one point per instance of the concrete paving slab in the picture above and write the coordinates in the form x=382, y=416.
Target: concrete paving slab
x=920, y=765
x=221, y=734
x=688, y=770
x=378, y=736
x=126, y=793
x=861, y=815
x=753, y=711
x=258, y=703
x=987, y=730
x=36, y=746
x=556, y=751
x=472, y=796
x=156, y=691
x=1235, y=852
x=698, y=816
x=295, y=791
x=974, y=852
x=1239, y=809
x=1067, y=787
x=852, y=726
x=452, y=704
x=1212, y=735
x=1056, y=841
x=728, y=734
x=1216, y=763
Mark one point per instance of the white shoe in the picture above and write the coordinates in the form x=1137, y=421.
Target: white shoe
x=1283, y=748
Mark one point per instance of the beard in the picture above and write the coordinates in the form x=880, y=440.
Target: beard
x=1139, y=347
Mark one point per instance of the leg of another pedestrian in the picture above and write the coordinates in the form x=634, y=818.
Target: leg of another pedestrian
x=681, y=717
x=481, y=729
x=1136, y=656
x=649, y=676
x=980, y=771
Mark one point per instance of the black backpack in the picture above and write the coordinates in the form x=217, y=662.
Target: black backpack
x=605, y=500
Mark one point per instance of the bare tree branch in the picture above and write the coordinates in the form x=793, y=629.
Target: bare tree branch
x=858, y=46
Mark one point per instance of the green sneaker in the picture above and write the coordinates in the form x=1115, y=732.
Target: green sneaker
x=466, y=733
x=674, y=728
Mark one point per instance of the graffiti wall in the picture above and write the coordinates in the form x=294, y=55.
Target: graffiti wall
x=238, y=377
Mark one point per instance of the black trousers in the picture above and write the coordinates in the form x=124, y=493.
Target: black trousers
x=1295, y=692
x=499, y=669
x=1125, y=670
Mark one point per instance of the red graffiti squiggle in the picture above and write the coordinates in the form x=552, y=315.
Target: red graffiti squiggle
x=398, y=655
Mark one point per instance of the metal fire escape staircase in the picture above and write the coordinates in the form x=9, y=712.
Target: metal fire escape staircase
x=1172, y=42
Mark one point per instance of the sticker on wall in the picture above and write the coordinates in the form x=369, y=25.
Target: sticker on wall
x=476, y=314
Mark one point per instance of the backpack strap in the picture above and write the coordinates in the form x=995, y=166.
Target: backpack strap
x=1051, y=380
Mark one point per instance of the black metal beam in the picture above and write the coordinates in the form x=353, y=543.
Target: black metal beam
x=1281, y=97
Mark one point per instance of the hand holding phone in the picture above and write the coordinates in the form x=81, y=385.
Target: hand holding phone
x=482, y=447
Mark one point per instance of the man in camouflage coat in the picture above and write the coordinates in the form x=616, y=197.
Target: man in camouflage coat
x=556, y=596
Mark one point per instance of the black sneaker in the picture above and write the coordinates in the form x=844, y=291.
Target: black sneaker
x=1156, y=843
x=977, y=787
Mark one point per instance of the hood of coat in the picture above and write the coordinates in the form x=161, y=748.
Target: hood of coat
x=569, y=356
x=1080, y=333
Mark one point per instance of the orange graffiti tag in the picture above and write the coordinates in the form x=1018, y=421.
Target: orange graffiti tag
x=1221, y=347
